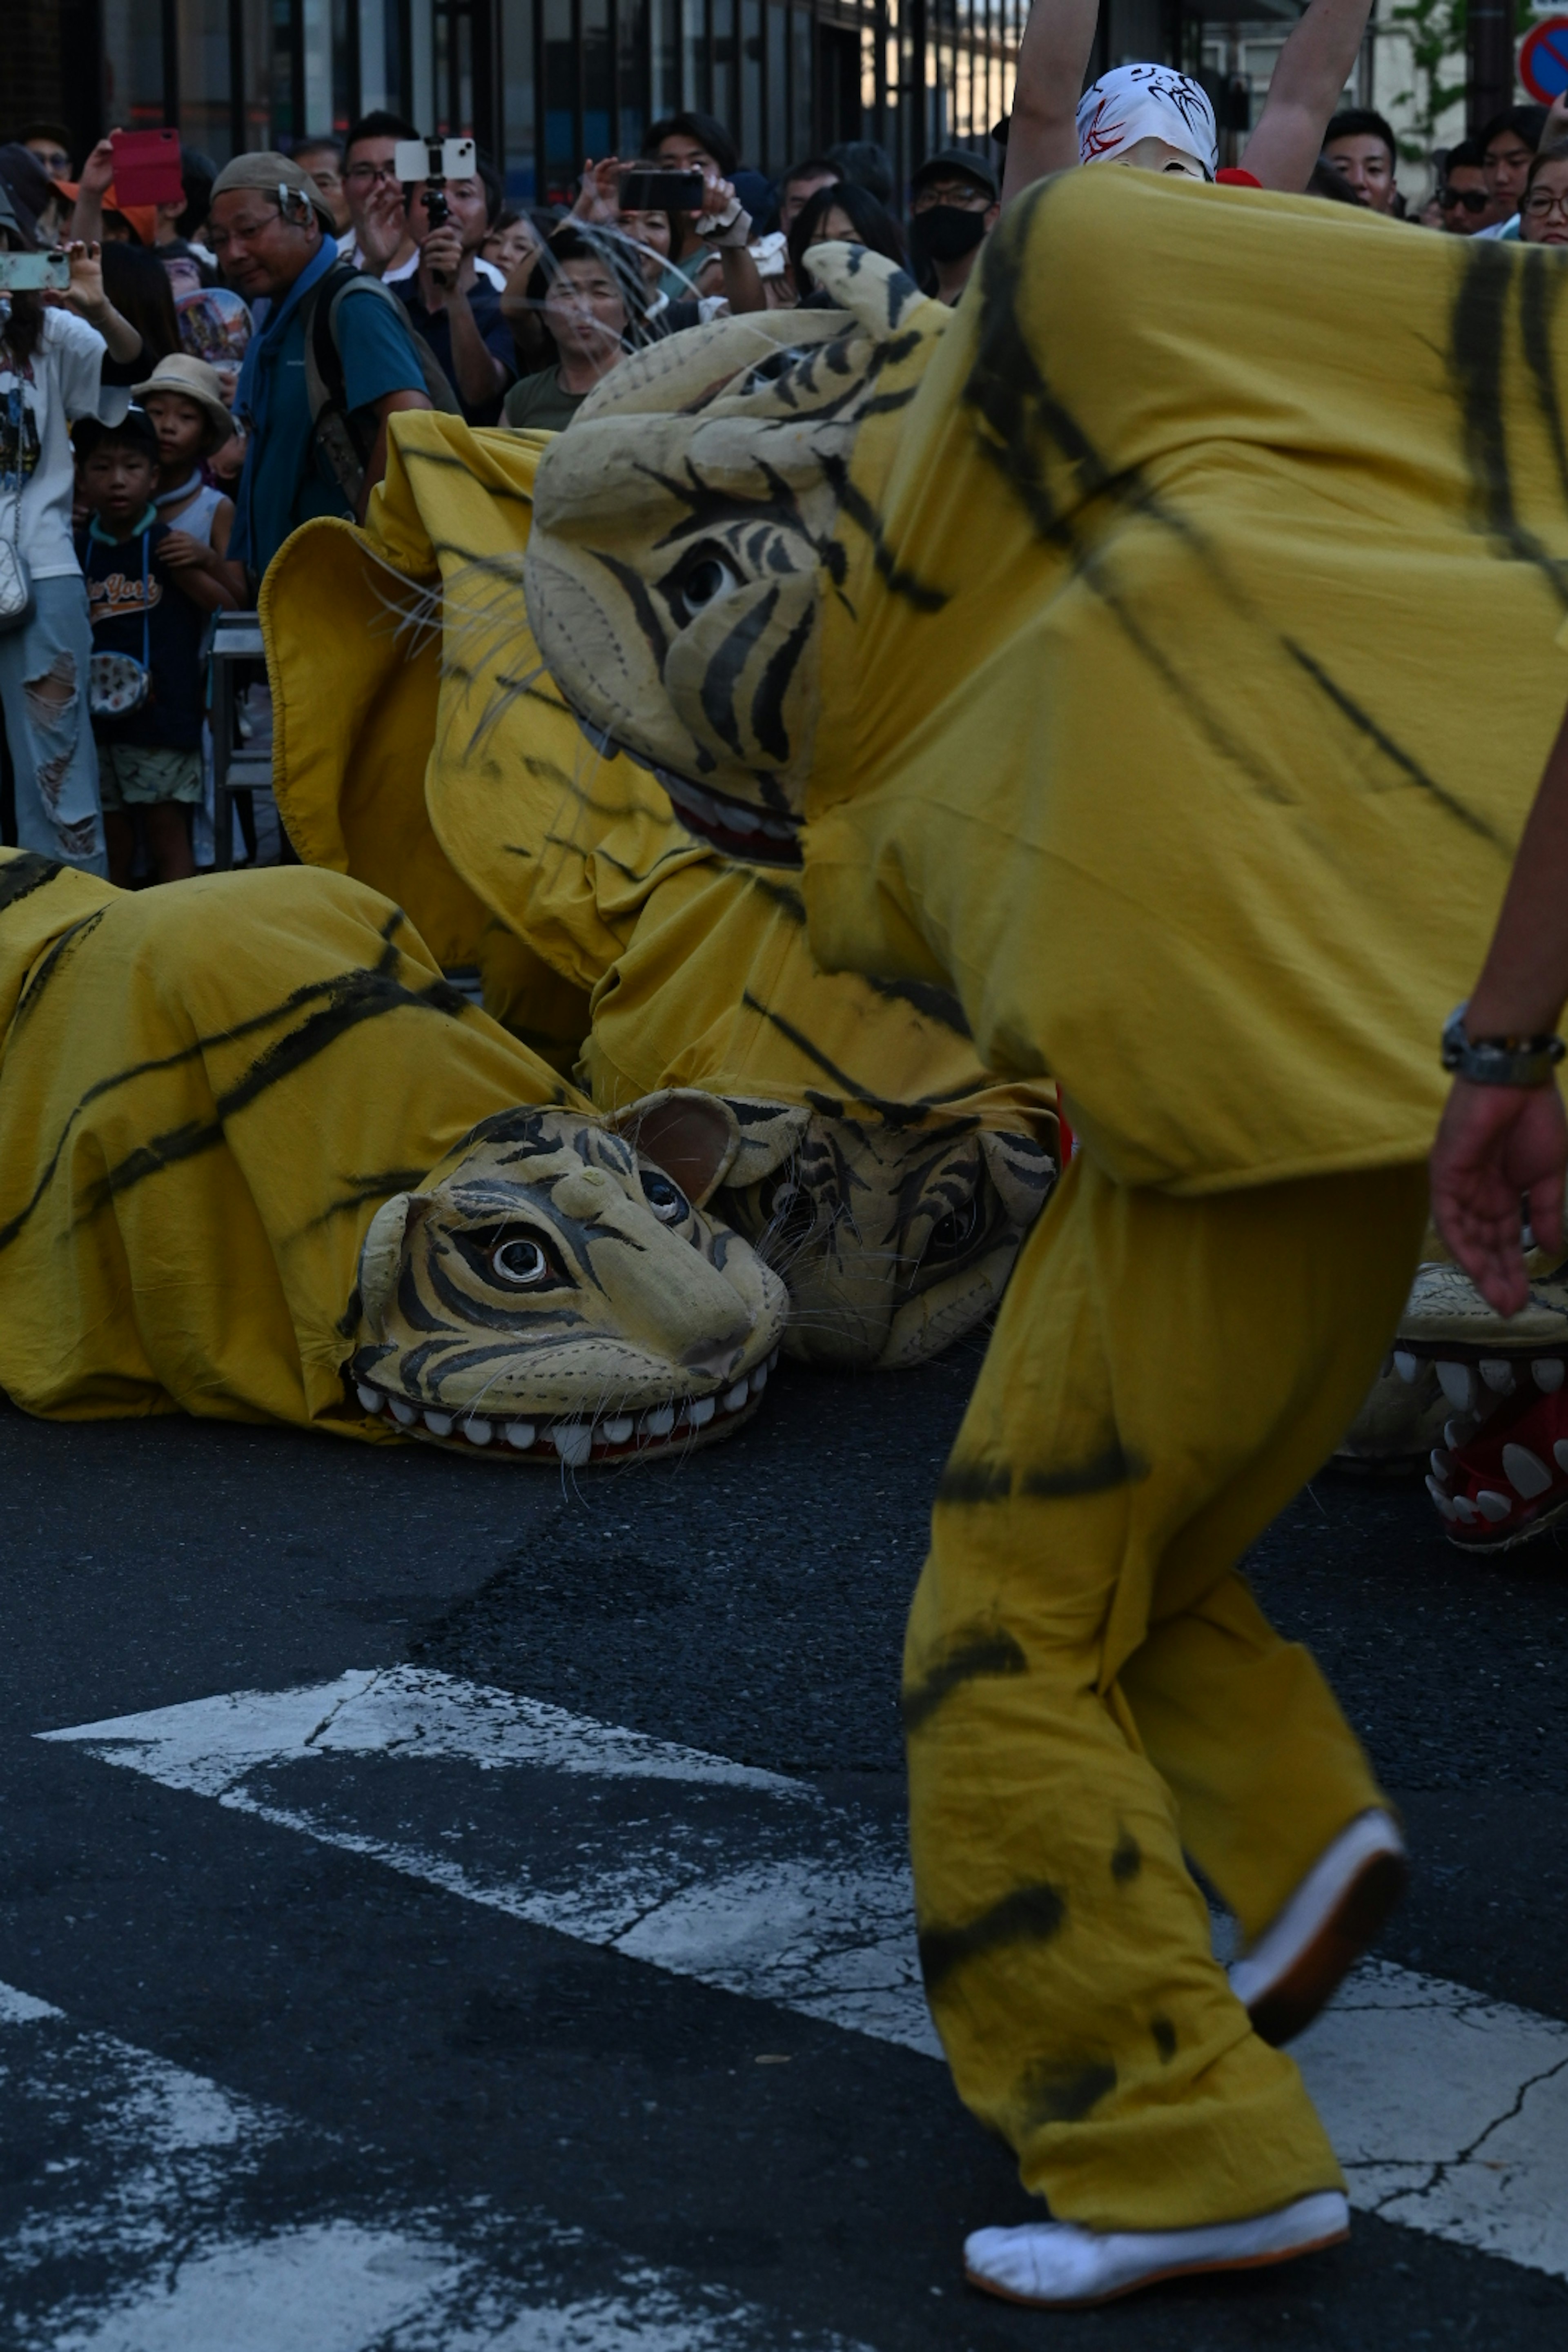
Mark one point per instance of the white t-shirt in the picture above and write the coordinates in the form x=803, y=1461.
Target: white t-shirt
x=405, y=269
x=60, y=383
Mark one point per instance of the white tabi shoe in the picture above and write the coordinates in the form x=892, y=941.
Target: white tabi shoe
x=1056, y=2266
x=1297, y=1963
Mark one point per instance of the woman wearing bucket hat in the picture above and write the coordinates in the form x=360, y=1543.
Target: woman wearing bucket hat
x=184, y=405
x=59, y=358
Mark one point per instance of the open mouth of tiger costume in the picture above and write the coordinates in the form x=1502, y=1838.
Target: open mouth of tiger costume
x=671, y=1428
x=734, y=827
x=1500, y=1475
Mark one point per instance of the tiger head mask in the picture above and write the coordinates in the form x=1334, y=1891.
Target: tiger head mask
x=894, y=1239
x=553, y=1290
x=683, y=540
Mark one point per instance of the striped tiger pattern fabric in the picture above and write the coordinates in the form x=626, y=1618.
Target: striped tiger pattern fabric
x=1131, y=723
x=882, y=1170
x=259, y=1161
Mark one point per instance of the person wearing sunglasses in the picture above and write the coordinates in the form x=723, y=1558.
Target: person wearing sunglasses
x=1465, y=201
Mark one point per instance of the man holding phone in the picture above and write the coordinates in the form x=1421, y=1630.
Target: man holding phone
x=451, y=293
x=611, y=191
x=271, y=228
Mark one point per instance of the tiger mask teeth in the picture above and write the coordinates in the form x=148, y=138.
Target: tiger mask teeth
x=554, y=1291
x=673, y=1428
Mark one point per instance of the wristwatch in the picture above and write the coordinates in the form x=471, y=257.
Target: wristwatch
x=1497, y=1061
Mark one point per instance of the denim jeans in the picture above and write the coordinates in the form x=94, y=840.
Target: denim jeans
x=43, y=691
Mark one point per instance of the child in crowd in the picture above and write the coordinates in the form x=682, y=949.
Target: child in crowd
x=150, y=607
x=184, y=405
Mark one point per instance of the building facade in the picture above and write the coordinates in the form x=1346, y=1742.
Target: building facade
x=542, y=83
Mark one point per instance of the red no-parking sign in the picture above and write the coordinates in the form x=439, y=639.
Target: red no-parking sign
x=1543, y=59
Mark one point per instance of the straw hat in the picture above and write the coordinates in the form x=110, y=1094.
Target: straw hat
x=192, y=380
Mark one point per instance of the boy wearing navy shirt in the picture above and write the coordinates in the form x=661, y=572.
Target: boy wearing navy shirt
x=155, y=610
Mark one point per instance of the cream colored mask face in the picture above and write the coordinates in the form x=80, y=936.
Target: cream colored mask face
x=894, y=1241
x=554, y=1291
x=683, y=540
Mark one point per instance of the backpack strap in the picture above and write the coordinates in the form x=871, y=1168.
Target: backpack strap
x=325, y=386
x=346, y=450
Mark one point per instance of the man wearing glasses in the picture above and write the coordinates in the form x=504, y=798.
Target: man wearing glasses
x=383, y=241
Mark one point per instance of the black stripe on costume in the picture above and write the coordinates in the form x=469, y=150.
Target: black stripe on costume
x=383, y=1187
x=896, y=1114
x=767, y=702
x=936, y=1003
x=975, y=1482
x=42, y=974
x=21, y=875
x=1539, y=293
x=1019, y=410
x=982, y=1652
x=1065, y=2094
x=1477, y=339
x=1030, y=1915
x=1114, y=1467
x=1368, y=728
x=725, y=669
x=898, y=577
x=359, y=996
x=644, y=611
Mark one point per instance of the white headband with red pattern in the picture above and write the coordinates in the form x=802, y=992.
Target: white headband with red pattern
x=1134, y=102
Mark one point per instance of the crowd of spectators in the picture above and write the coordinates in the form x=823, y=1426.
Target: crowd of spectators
x=211, y=372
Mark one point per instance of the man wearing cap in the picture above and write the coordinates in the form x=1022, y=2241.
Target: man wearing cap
x=271, y=230
x=1158, y=120
x=953, y=208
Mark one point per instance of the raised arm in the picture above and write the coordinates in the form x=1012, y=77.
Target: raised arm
x=1053, y=57
x=1304, y=94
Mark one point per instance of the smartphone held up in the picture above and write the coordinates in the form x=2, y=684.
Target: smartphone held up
x=34, y=273
x=147, y=167
x=654, y=191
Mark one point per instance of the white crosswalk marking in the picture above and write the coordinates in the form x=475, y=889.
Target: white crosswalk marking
x=1450, y=2112
x=163, y=2193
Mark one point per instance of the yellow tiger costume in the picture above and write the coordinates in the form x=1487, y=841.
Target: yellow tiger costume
x=259, y=1161
x=888, y=1174
x=1097, y=618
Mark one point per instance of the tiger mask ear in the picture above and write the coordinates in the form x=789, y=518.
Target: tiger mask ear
x=1023, y=1171
x=772, y=1134
x=693, y=1137
x=380, y=1257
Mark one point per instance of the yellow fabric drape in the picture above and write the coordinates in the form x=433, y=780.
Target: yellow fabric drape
x=206, y=1093
x=698, y=971
x=1179, y=774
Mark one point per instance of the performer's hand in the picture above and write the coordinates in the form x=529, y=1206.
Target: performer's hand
x=1495, y=1146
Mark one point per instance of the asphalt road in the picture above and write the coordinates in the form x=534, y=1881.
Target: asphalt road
x=275, y=2072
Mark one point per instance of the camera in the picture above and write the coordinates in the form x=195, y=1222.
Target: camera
x=435, y=161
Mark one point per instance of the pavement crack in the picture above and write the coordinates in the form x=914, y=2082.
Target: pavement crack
x=1531, y=2082
x=336, y=1708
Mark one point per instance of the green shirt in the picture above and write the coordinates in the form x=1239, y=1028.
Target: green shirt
x=538, y=404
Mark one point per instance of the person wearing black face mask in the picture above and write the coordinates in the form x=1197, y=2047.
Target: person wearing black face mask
x=952, y=210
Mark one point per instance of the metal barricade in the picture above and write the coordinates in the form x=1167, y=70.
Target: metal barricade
x=234, y=647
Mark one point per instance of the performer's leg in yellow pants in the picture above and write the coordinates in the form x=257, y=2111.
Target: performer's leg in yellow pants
x=1090, y=1689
